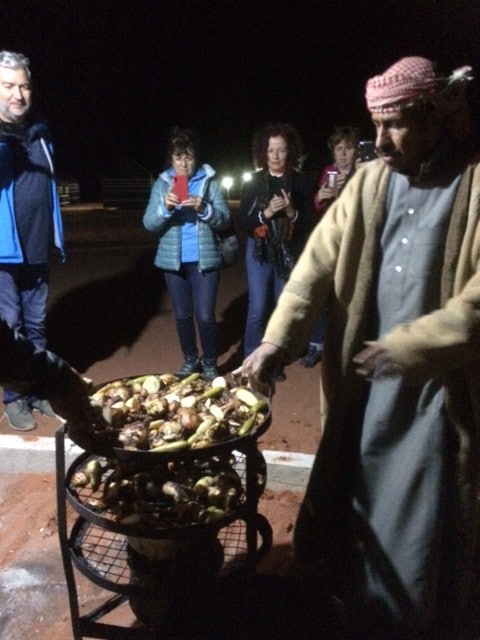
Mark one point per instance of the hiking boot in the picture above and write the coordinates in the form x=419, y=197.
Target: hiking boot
x=189, y=366
x=210, y=371
x=19, y=415
x=43, y=406
x=313, y=355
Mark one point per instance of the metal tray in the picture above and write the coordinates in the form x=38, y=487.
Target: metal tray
x=147, y=458
x=83, y=500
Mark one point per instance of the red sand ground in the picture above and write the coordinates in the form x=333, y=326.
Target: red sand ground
x=33, y=596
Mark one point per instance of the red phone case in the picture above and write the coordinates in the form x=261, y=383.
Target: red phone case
x=180, y=187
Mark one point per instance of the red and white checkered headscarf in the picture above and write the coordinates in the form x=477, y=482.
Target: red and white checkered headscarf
x=409, y=81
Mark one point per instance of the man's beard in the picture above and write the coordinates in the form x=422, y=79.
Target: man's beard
x=15, y=118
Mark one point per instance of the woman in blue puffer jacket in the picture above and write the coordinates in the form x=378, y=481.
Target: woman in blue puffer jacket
x=188, y=247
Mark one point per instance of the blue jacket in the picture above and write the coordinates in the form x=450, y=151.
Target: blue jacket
x=168, y=224
x=10, y=247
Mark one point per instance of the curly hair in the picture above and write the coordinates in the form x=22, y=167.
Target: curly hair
x=12, y=60
x=291, y=136
x=181, y=140
x=347, y=133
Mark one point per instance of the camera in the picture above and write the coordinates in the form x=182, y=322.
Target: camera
x=366, y=150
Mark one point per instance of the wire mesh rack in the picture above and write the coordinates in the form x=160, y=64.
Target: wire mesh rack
x=97, y=545
x=102, y=555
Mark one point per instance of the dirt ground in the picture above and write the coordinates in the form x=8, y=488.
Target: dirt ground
x=109, y=316
x=33, y=594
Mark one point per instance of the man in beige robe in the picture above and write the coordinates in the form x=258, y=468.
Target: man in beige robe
x=389, y=523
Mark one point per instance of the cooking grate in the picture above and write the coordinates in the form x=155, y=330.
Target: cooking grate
x=88, y=502
x=102, y=555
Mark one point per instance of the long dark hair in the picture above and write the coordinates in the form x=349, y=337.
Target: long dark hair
x=271, y=130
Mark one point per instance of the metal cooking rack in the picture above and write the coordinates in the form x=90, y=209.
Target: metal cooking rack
x=96, y=545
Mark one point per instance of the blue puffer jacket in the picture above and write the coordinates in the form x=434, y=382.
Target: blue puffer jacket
x=168, y=225
x=10, y=247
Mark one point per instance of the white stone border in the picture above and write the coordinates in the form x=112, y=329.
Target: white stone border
x=285, y=469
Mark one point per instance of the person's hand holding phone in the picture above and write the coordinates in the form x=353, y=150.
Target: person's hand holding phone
x=340, y=181
x=179, y=193
x=196, y=202
x=325, y=193
x=172, y=201
x=279, y=202
x=288, y=204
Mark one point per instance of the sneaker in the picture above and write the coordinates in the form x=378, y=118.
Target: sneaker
x=314, y=355
x=43, y=406
x=210, y=371
x=19, y=415
x=189, y=367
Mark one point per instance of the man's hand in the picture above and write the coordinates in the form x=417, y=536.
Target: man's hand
x=374, y=362
x=257, y=366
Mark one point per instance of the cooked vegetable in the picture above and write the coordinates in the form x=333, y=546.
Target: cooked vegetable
x=246, y=396
x=171, y=446
x=162, y=412
x=93, y=471
x=173, y=495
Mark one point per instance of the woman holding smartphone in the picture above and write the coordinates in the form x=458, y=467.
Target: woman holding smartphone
x=275, y=211
x=343, y=144
x=186, y=209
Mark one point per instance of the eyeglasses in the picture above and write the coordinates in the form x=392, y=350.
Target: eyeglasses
x=183, y=158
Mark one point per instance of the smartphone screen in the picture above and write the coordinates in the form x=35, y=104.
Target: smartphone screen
x=366, y=149
x=180, y=187
x=332, y=179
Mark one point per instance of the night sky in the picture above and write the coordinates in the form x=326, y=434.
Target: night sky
x=113, y=76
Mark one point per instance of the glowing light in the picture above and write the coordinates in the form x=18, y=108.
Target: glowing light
x=227, y=183
x=247, y=176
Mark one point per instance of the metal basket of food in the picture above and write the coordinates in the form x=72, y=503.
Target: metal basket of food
x=170, y=453
x=150, y=416
x=166, y=499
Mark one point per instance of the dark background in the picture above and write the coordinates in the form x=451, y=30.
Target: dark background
x=113, y=76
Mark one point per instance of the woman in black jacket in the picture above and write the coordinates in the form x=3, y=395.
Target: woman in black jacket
x=275, y=211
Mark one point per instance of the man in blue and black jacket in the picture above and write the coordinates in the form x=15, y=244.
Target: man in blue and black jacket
x=30, y=221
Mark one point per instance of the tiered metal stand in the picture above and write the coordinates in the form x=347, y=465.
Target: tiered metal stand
x=95, y=544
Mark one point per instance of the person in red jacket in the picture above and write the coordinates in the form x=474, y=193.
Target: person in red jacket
x=343, y=143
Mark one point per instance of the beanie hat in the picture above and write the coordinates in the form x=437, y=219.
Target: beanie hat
x=409, y=81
